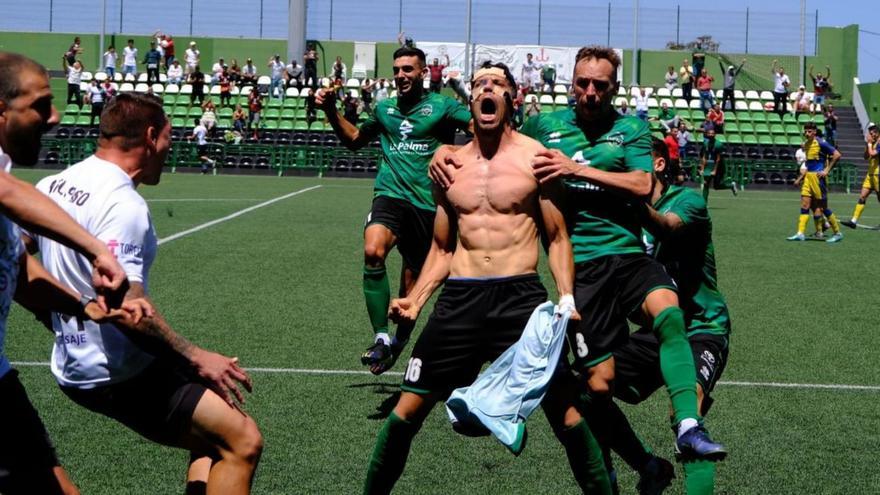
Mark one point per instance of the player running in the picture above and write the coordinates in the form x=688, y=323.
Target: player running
x=605, y=159
x=678, y=234
x=872, y=179
x=145, y=376
x=712, y=168
x=410, y=127
x=821, y=158
x=485, y=246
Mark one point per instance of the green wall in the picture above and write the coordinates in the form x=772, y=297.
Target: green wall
x=870, y=93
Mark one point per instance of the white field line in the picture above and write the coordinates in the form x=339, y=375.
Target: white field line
x=233, y=215
x=198, y=200
x=326, y=372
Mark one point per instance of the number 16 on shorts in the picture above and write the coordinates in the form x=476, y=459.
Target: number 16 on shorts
x=413, y=370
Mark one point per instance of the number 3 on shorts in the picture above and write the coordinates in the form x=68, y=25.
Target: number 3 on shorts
x=413, y=370
x=582, y=349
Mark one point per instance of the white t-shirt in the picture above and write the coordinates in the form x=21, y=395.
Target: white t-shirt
x=110, y=59
x=96, y=94
x=217, y=69
x=277, y=69
x=129, y=56
x=175, y=72
x=778, y=82
x=201, y=133
x=192, y=57
x=74, y=75
x=10, y=253
x=641, y=103
x=800, y=156
x=101, y=198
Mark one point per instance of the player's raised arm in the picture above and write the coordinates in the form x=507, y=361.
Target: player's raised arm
x=437, y=264
x=350, y=135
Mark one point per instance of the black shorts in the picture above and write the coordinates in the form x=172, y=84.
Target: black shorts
x=637, y=365
x=27, y=456
x=474, y=322
x=606, y=291
x=158, y=403
x=413, y=227
x=202, y=149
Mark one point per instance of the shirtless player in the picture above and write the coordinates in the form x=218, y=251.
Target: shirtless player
x=485, y=245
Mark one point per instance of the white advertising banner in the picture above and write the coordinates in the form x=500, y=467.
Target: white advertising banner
x=560, y=57
x=433, y=50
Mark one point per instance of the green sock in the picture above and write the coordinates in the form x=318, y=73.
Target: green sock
x=377, y=293
x=677, y=362
x=389, y=455
x=585, y=458
x=612, y=430
x=700, y=477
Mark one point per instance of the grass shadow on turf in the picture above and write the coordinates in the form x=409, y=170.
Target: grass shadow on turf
x=387, y=405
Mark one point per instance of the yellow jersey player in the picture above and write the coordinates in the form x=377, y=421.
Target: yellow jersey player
x=821, y=158
x=871, y=184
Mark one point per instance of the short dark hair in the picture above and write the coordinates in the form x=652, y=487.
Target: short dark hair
x=410, y=51
x=128, y=115
x=599, y=52
x=810, y=125
x=130, y=41
x=11, y=67
x=660, y=150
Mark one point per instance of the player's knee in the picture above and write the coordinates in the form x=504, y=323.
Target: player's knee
x=247, y=445
x=374, y=254
x=412, y=407
x=600, y=384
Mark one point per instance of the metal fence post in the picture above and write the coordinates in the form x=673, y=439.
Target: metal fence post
x=608, y=42
x=191, y=17
x=540, y=8
x=331, y=19
x=261, y=19
x=51, y=11
x=677, y=24
x=747, y=30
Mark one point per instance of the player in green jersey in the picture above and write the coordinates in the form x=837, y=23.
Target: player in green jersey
x=678, y=234
x=712, y=165
x=605, y=161
x=410, y=127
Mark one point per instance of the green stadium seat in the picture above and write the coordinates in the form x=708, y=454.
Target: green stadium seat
x=733, y=138
x=777, y=130
x=746, y=128
x=270, y=124
x=803, y=118
x=288, y=114
x=195, y=112
x=744, y=116
x=178, y=122
x=762, y=129
x=818, y=119
x=83, y=120
x=789, y=119
x=179, y=112
x=301, y=114
x=271, y=113
x=780, y=141
x=317, y=126
x=765, y=140
x=71, y=110
x=731, y=128
x=85, y=110
x=731, y=117
x=795, y=141
x=301, y=125
x=750, y=139
x=320, y=115
x=182, y=99
x=793, y=130
x=697, y=116
x=224, y=124
x=68, y=120
x=291, y=103
x=169, y=100
x=285, y=125
x=225, y=113
x=774, y=118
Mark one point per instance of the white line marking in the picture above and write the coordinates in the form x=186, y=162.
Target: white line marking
x=195, y=200
x=233, y=215
x=306, y=371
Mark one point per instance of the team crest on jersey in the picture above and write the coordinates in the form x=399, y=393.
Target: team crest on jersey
x=405, y=129
x=616, y=139
x=390, y=111
x=426, y=110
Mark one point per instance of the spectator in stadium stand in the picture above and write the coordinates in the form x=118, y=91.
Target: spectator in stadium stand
x=74, y=78
x=175, y=73
x=157, y=36
x=192, y=57
x=225, y=88
x=129, y=59
x=239, y=119
x=350, y=108
x=518, y=116
x=109, y=90
x=217, y=68
x=311, y=108
x=684, y=141
x=310, y=63
x=293, y=75
x=197, y=81
x=728, y=93
x=339, y=88
x=530, y=74
x=781, y=83
x=624, y=107
x=532, y=108
x=830, y=124
x=249, y=74
x=704, y=86
x=152, y=60
x=276, y=71
x=110, y=58
x=381, y=90
x=548, y=75
x=716, y=116
x=167, y=44
x=339, y=70
x=96, y=97
x=74, y=51
x=801, y=101
x=670, y=78
x=671, y=140
x=667, y=117
x=235, y=72
x=642, y=104
x=699, y=62
x=686, y=78
x=209, y=117
x=367, y=96
x=255, y=107
x=821, y=86
x=436, y=74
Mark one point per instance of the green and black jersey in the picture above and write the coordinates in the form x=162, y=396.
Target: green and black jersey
x=689, y=257
x=600, y=222
x=409, y=140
